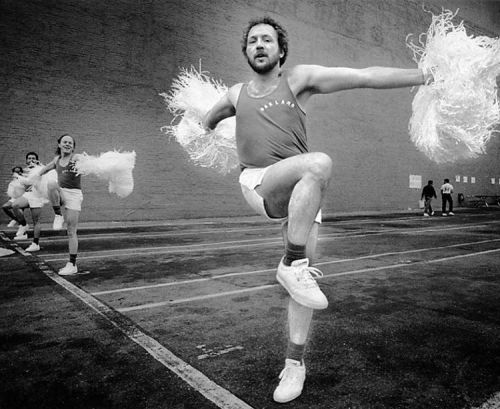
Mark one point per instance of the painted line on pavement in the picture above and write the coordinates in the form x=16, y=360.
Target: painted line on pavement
x=262, y=287
x=227, y=245
x=323, y=263
x=200, y=382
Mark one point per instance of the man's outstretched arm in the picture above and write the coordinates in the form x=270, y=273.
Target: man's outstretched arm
x=323, y=80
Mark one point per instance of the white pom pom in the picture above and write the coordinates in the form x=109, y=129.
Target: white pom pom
x=454, y=116
x=113, y=167
x=192, y=95
x=15, y=189
x=46, y=182
x=39, y=184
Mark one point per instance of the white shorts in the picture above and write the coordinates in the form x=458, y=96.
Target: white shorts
x=71, y=198
x=250, y=178
x=34, y=199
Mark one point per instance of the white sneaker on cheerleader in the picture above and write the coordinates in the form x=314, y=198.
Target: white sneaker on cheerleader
x=21, y=231
x=298, y=281
x=12, y=223
x=68, y=269
x=21, y=237
x=58, y=222
x=292, y=381
x=33, y=247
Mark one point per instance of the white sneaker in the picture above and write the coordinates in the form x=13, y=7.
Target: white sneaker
x=58, y=222
x=426, y=215
x=68, y=269
x=12, y=223
x=451, y=214
x=21, y=237
x=22, y=230
x=292, y=381
x=444, y=214
x=298, y=281
x=33, y=247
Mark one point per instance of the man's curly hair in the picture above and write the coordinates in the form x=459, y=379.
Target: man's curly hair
x=282, y=35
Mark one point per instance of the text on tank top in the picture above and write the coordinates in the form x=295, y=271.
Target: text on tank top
x=67, y=176
x=269, y=128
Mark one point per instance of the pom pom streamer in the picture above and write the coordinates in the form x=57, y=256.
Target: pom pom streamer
x=113, y=167
x=15, y=189
x=40, y=185
x=192, y=95
x=454, y=116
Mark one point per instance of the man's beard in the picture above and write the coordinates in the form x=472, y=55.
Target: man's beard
x=263, y=69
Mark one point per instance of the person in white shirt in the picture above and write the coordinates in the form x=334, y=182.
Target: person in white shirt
x=446, y=191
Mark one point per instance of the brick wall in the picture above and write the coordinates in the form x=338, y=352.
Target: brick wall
x=95, y=69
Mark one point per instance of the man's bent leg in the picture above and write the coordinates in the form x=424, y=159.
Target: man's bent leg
x=36, y=213
x=295, y=187
x=7, y=208
x=18, y=207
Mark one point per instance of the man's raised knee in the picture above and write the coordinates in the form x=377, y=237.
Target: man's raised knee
x=321, y=165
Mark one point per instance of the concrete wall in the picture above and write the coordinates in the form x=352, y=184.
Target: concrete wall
x=95, y=69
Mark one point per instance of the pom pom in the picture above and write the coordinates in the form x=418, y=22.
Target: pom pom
x=454, y=116
x=15, y=189
x=40, y=184
x=192, y=95
x=113, y=167
x=48, y=181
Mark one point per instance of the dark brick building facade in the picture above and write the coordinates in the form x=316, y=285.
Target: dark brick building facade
x=95, y=69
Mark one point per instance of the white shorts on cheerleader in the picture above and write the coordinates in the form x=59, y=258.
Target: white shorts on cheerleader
x=71, y=198
x=34, y=199
x=250, y=178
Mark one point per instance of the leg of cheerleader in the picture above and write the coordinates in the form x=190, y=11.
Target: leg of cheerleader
x=36, y=213
x=72, y=224
x=55, y=200
x=18, y=207
x=7, y=208
x=299, y=324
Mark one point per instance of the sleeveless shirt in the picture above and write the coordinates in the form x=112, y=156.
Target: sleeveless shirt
x=67, y=176
x=269, y=128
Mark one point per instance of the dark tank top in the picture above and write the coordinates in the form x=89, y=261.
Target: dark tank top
x=67, y=176
x=269, y=128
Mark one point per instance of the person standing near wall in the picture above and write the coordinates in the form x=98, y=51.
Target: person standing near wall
x=428, y=192
x=280, y=178
x=446, y=192
x=70, y=192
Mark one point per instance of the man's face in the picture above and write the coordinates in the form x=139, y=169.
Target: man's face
x=31, y=160
x=263, y=52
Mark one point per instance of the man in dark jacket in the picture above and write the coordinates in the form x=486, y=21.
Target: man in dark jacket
x=428, y=192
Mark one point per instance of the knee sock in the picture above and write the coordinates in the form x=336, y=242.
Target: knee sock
x=57, y=210
x=295, y=351
x=72, y=259
x=293, y=252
